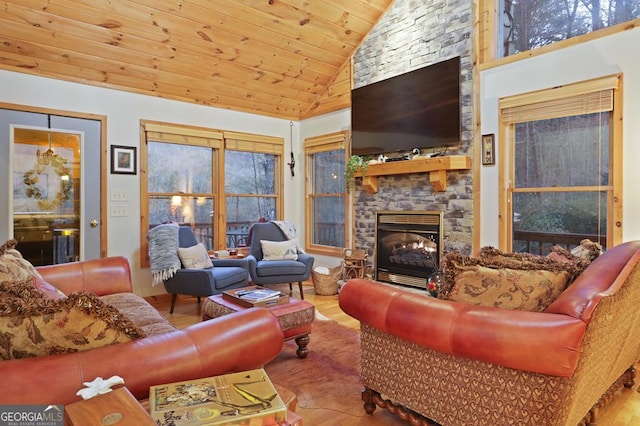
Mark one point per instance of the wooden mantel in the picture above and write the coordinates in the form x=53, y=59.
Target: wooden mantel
x=437, y=168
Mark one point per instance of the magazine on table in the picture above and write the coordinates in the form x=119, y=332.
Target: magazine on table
x=258, y=294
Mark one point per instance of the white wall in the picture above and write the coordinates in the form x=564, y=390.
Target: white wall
x=597, y=58
x=124, y=112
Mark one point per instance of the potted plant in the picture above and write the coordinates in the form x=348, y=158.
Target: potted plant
x=356, y=164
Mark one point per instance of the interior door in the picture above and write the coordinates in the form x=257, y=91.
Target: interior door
x=53, y=169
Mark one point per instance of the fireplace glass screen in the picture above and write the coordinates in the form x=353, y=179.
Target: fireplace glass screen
x=408, y=247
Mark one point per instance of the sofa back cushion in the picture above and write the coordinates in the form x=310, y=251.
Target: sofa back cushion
x=522, y=282
x=32, y=325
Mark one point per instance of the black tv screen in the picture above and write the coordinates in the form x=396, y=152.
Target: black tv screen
x=419, y=109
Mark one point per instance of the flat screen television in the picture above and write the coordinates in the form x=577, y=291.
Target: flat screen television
x=419, y=109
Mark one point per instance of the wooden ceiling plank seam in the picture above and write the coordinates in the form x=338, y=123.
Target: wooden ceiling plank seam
x=363, y=11
x=187, y=62
x=196, y=43
x=287, y=28
x=341, y=16
x=293, y=16
x=108, y=67
x=259, y=32
x=345, y=75
x=71, y=72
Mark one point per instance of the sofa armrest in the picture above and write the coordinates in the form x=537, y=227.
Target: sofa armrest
x=530, y=341
x=100, y=276
x=237, y=342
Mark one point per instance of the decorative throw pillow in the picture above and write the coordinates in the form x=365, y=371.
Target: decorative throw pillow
x=33, y=326
x=15, y=269
x=587, y=250
x=515, y=282
x=279, y=250
x=195, y=257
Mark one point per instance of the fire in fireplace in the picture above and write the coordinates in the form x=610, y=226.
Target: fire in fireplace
x=408, y=246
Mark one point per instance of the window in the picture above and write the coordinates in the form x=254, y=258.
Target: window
x=326, y=194
x=181, y=183
x=252, y=183
x=526, y=25
x=191, y=179
x=562, y=170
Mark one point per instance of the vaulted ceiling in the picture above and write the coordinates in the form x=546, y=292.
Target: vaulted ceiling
x=282, y=58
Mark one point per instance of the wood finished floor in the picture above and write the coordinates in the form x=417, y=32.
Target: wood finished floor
x=623, y=410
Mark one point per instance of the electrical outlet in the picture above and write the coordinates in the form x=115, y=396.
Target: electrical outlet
x=119, y=196
x=119, y=211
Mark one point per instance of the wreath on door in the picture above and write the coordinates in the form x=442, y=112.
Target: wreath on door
x=32, y=178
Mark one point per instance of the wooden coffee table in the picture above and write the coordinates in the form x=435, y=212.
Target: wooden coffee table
x=295, y=317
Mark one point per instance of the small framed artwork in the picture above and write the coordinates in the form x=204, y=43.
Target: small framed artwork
x=123, y=160
x=488, y=149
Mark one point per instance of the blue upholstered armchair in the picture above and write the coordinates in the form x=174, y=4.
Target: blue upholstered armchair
x=226, y=274
x=265, y=272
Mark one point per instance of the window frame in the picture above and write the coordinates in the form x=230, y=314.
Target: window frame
x=219, y=141
x=488, y=31
x=314, y=145
x=544, y=104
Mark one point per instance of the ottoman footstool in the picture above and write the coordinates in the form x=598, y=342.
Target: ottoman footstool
x=295, y=317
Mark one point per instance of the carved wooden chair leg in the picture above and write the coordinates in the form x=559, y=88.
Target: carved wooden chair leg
x=300, y=288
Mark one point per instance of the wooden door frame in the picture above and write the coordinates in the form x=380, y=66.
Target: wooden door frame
x=103, y=156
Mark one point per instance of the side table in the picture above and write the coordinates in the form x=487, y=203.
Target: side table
x=117, y=407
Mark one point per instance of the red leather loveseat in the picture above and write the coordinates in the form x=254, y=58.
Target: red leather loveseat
x=237, y=342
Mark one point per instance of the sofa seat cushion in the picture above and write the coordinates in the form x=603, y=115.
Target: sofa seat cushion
x=139, y=312
x=229, y=277
x=31, y=325
x=269, y=268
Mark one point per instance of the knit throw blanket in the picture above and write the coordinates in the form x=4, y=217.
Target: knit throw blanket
x=289, y=230
x=163, y=251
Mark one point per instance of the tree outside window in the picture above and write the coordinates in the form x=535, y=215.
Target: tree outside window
x=326, y=193
x=529, y=24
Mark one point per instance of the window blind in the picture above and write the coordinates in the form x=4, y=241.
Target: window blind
x=591, y=97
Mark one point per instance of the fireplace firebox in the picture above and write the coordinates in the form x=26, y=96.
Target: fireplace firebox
x=408, y=246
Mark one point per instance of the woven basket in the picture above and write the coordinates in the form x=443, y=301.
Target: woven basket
x=326, y=284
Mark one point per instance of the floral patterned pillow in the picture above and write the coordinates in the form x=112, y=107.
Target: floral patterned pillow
x=31, y=325
x=521, y=283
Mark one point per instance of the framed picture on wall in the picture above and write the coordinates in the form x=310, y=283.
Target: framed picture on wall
x=488, y=150
x=123, y=160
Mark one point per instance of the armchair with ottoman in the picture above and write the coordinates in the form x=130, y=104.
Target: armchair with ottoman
x=78, y=321
x=458, y=363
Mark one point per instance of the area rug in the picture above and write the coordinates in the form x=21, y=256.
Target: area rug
x=330, y=376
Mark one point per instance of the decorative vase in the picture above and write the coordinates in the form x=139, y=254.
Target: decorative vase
x=434, y=283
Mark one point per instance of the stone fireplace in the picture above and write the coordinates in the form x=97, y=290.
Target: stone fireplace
x=411, y=35
x=408, y=246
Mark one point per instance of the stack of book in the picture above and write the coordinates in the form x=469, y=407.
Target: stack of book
x=247, y=398
x=255, y=297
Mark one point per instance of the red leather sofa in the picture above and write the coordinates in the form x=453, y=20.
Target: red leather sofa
x=460, y=364
x=237, y=342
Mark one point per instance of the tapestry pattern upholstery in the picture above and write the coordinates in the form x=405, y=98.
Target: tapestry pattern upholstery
x=33, y=325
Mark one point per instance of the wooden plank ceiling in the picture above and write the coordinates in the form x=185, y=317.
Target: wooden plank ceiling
x=282, y=58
